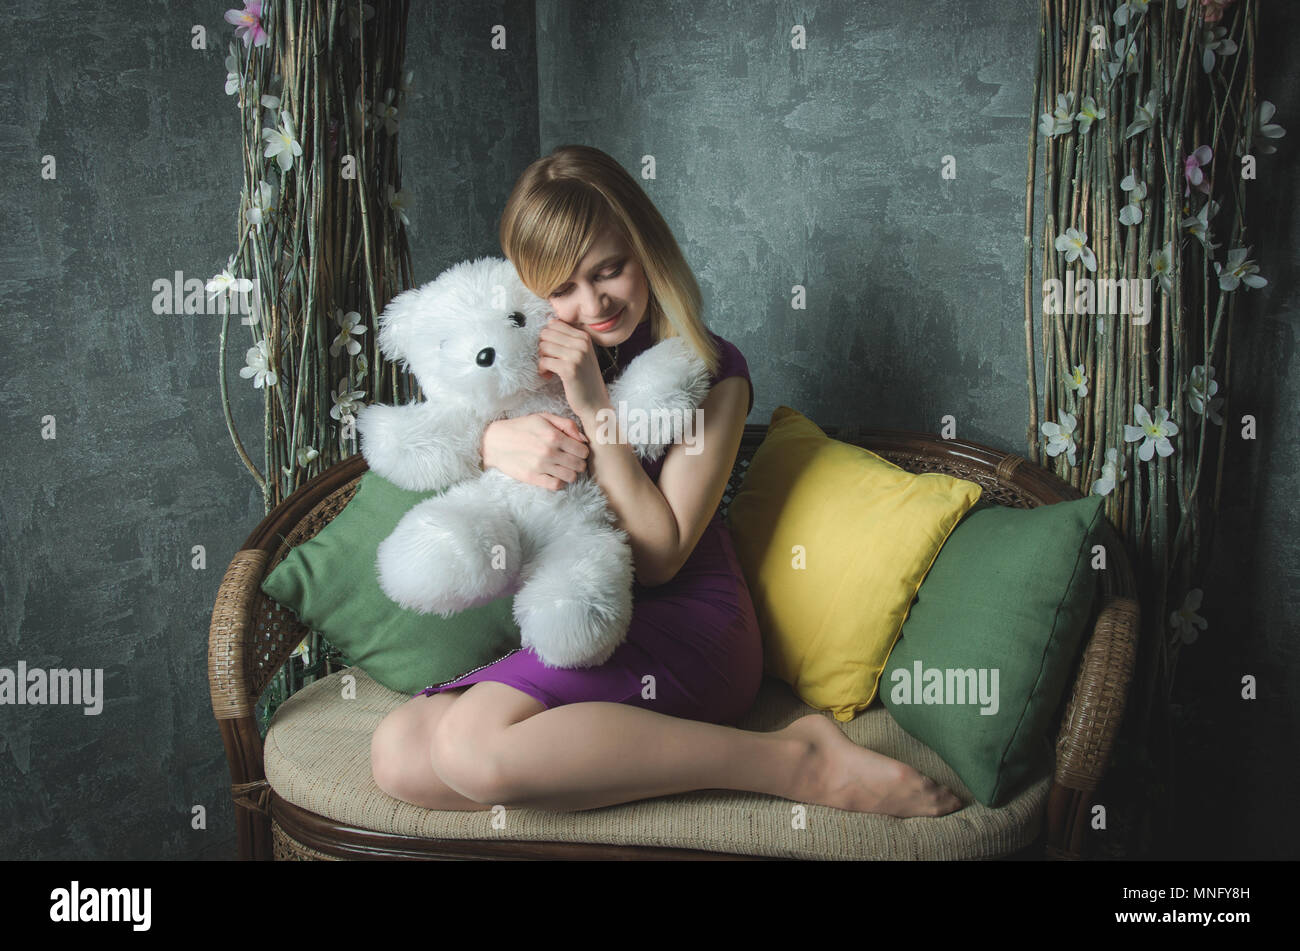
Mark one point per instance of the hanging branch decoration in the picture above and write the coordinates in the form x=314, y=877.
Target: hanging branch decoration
x=1150, y=127
x=322, y=222
x=321, y=242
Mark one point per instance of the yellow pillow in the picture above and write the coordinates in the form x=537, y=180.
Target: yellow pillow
x=834, y=542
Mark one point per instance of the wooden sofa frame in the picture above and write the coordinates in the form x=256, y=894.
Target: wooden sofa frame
x=251, y=636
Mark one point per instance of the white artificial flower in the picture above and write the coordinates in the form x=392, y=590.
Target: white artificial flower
x=1202, y=399
x=1062, y=120
x=259, y=204
x=272, y=105
x=258, y=362
x=306, y=455
x=1128, y=58
x=345, y=401
x=1060, y=436
x=234, y=78
x=1077, y=381
x=281, y=144
x=1214, y=39
x=1112, y=473
x=303, y=650
x=1130, y=11
x=1089, y=112
x=1131, y=214
x=1162, y=266
x=1266, y=130
x=388, y=113
x=1074, y=244
x=1238, y=271
x=225, y=283
x=1198, y=225
x=350, y=323
x=1144, y=116
x=1154, y=433
x=1185, y=620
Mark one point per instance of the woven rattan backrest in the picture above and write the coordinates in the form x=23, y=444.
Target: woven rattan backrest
x=919, y=454
x=277, y=630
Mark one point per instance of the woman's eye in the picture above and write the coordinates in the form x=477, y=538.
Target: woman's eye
x=612, y=274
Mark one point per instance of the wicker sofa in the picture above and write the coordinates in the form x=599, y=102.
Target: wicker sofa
x=306, y=792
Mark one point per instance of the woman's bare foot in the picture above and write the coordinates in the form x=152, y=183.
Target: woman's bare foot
x=854, y=778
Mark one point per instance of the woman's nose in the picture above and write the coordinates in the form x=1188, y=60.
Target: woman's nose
x=592, y=307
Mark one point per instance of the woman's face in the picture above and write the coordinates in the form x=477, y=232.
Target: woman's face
x=607, y=294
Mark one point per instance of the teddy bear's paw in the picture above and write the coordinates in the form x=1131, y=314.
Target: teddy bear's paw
x=660, y=391
x=442, y=559
x=575, y=607
x=418, y=447
x=567, y=633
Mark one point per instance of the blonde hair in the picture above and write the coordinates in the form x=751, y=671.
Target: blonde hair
x=559, y=207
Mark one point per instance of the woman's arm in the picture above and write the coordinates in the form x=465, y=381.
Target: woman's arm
x=665, y=522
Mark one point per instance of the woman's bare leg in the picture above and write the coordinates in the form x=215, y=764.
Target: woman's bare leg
x=594, y=754
x=399, y=754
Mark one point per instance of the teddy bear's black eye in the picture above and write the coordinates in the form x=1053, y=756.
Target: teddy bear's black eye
x=518, y=318
x=485, y=357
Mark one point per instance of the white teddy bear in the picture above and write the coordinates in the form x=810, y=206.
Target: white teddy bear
x=471, y=339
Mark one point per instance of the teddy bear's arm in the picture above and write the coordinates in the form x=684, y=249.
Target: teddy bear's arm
x=669, y=379
x=421, y=447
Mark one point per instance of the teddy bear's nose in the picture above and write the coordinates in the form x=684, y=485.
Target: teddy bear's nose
x=485, y=357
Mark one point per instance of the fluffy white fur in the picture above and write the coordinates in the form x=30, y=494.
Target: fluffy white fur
x=570, y=569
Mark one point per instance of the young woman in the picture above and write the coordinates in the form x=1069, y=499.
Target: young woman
x=656, y=718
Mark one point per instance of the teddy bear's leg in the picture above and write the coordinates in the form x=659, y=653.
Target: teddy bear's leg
x=575, y=604
x=451, y=552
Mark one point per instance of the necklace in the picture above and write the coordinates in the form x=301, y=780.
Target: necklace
x=613, y=359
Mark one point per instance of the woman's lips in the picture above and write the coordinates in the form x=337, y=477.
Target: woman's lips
x=609, y=324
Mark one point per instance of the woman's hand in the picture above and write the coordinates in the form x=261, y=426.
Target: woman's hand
x=569, y=353
x=541, y=449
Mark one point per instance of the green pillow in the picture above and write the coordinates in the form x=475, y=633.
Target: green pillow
x=331, y=583
x=1008, y=596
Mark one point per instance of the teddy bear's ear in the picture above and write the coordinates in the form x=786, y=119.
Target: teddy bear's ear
x=398, y=324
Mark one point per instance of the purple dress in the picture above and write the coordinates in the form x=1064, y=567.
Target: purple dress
x=695, y=634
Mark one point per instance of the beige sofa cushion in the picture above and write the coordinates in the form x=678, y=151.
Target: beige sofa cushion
x=317, y=755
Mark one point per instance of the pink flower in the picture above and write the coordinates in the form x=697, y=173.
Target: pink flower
x=1214, y=9
x=248, y=22
x=1192, y=171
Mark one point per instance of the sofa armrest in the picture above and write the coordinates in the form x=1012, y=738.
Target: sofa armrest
x=1091, y=724
x=251, y=637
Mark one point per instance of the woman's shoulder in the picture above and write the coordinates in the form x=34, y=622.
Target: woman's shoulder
x=731, y=362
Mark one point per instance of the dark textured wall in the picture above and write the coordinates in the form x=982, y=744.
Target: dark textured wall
x=98, y=523
x=775, y=167
x=820, y=167
x=1235, y=760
